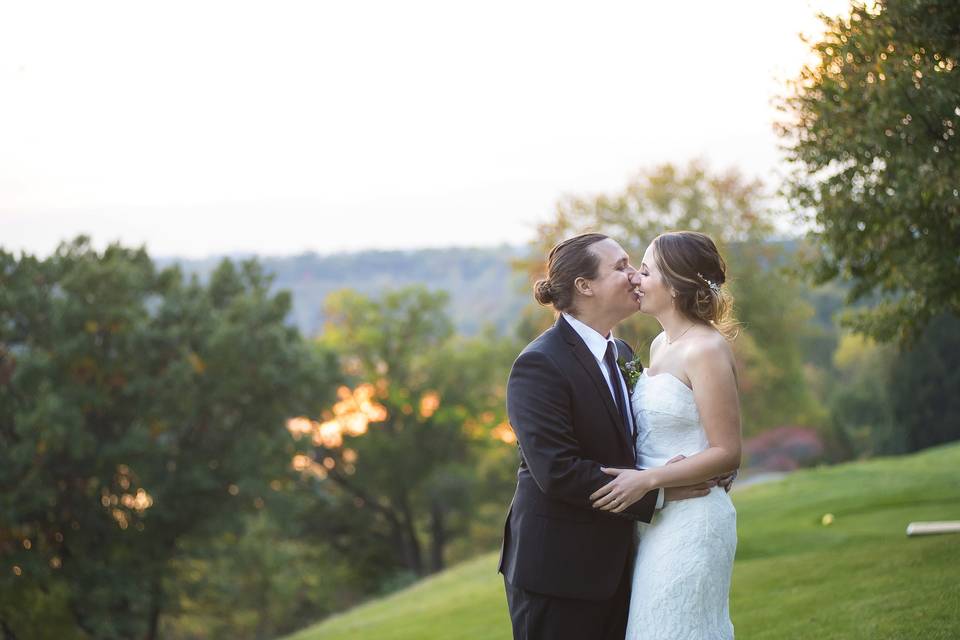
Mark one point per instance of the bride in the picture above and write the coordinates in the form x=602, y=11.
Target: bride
x=686, y=401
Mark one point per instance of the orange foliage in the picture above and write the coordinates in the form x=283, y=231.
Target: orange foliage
x=350, y=415
x=138, y=501
x=429, y=403
x=504, y=433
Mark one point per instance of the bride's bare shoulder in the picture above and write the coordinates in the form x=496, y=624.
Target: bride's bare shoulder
x=657, y=342
x=708, y=344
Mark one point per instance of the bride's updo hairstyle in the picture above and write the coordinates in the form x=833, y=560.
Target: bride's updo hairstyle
x=568, y=260
x=691, y=264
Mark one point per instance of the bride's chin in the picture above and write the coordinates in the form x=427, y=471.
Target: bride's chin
x=642, y=309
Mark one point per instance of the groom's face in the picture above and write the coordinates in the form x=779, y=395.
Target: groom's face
x=611, y=291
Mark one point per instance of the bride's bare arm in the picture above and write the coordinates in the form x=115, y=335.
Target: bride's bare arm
x=711, y=371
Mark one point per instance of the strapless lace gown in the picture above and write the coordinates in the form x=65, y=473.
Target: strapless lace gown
x=681, y=578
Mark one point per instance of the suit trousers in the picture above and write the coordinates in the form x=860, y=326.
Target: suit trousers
x=536, y=616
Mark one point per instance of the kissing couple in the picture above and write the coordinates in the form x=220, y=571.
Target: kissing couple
x=606, y=443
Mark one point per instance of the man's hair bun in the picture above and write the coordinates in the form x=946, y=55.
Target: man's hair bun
x=542, y=291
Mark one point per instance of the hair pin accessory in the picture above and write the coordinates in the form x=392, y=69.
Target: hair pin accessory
x=713, y=285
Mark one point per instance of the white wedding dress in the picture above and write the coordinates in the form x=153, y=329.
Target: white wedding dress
x=681, y=578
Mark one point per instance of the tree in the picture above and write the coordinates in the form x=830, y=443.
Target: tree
x=861, y=413
x=923, y=386
x=886, y=399
x=264, y=582
x=136, y=409
x=392, y=459
x=734, y=212
x=870, y=130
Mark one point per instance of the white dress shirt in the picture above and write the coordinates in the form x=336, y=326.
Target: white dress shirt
x=597, y=345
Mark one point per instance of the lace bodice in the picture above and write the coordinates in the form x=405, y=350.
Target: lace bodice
x=667, y=419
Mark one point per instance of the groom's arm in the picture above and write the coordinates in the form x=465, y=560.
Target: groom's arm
x=539, y=409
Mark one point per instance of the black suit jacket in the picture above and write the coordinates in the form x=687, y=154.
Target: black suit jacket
x=567, y=426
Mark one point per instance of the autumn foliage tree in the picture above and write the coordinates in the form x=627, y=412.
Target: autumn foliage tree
x=392, y=460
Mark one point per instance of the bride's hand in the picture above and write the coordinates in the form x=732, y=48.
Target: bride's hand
x=627, y=486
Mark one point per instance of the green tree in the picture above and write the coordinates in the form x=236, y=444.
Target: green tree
x=136, y=409
x=887, y=399
x=265, y=581
x=392, y=461
x=861, y=421
x=924, y=382
x=870, y=130
x=734, y=212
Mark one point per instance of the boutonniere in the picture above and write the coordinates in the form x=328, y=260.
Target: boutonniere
x=631, y=371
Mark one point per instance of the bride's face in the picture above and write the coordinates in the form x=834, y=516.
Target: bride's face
x=652, y=293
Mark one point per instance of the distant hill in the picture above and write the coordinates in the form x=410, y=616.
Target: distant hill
x=483, y=288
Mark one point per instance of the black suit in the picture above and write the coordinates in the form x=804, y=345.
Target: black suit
x=560, y=554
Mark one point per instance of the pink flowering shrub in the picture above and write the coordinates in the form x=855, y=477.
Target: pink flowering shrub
x=782, y=449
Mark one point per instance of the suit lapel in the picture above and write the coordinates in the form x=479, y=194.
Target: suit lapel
x=590, y=365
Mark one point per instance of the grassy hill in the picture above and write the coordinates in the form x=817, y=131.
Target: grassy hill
x=795, y=577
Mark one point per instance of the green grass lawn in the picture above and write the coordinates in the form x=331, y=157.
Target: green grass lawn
x=794, y=577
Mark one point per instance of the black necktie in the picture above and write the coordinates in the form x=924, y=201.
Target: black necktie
x=614, y=370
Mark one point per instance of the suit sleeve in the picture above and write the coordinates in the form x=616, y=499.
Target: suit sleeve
x=539, y=409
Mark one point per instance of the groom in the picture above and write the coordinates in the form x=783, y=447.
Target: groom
x=566, y=566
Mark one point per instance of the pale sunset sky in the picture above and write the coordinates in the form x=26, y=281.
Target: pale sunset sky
x=208, y=127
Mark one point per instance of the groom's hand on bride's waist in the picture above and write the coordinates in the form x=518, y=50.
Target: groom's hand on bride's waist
x=726, y=482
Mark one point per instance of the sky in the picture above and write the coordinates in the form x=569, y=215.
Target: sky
x=210, y=127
